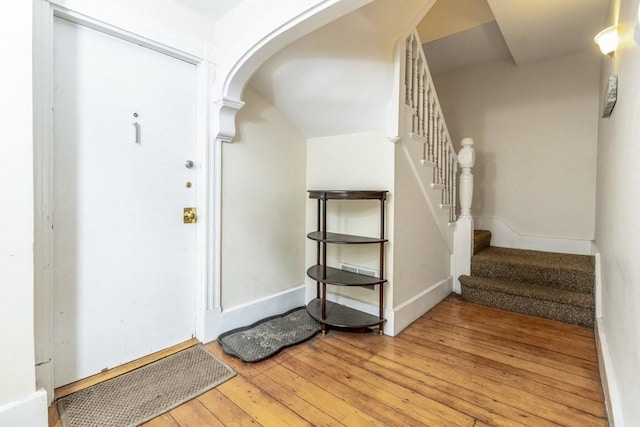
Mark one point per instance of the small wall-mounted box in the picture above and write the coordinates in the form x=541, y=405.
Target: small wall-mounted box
x=610, y=97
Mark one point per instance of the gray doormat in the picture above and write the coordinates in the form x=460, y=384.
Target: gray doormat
x=268, y=336
x=142, y=394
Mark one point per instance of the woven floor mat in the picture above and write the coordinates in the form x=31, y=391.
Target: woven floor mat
x=268, y=336
x=140, y=395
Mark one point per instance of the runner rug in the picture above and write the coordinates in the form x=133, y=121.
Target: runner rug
x=140, y=395
x=266, y=337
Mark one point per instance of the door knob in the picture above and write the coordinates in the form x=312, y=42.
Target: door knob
x=189, y=164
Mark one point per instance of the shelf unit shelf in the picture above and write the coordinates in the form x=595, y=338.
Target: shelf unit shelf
x=329, y=313
x=339, y=277
x=344, y=239
x=341, y=316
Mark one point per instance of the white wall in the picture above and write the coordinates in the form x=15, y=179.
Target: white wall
x=16, y=217
x=535, y=133
x=617, y=224
x=357, y=161
x=263, y=205
x=16, y=223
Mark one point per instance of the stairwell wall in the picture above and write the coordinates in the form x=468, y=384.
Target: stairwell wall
x=535, y=137
x=421, y=257
x=617, y=225
x=263, y=205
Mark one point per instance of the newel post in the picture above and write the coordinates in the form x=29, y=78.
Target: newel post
x=463, y=234
x=466, y=158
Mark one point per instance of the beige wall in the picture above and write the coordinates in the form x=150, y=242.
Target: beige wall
x=617, y=224
x=357, y=161
x=535, y=131
x=17, y=371
x=263, y=205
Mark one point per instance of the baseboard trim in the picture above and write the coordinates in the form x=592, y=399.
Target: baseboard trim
x=608, y=378
x=504, y=236
x=598, y=281
x=412, y=309
x=30, y=411
x=44, y=379
x=251, y=312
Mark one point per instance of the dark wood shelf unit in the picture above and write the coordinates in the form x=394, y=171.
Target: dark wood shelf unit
x=329, y=313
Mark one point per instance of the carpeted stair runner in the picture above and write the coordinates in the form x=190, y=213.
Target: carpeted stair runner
x=545, y=284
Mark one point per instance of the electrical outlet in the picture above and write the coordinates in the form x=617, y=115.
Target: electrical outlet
x=361, y=270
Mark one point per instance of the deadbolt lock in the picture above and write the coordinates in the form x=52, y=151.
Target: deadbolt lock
x=190, y=215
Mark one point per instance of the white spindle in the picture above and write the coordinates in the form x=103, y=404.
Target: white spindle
x=454, y=191
x=407, y=72
x=421, y=104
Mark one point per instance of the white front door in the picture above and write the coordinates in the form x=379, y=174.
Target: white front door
x=124, y=261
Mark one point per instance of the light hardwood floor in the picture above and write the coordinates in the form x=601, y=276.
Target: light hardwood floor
x=460, y=364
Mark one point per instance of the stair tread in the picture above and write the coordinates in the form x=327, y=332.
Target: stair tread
x=582, y=263
x=531, y=290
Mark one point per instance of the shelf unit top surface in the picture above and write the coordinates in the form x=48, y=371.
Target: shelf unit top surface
x=348, y=194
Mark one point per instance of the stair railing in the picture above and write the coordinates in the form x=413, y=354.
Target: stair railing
x=428, y=125
x=424, y=122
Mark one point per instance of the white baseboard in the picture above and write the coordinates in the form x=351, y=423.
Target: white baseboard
x=212, y=325
x=246, y=314
x=504, y=236
x=608, y=378
x=598, y=281
x=410, y=310
x=30, y=411
x=44, y=379
x=401, y=316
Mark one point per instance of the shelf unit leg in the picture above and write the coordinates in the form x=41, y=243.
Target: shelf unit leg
x=318, y=225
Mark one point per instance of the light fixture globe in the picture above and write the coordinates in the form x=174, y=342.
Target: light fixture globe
x=607, y=40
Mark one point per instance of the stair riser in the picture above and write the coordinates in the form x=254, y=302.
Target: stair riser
x=525, y=305
x=481, y=240
x=570, y=280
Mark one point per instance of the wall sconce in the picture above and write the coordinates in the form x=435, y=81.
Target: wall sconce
x=607, y=40
x=636, y=27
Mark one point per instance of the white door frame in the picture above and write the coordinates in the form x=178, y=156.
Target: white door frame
x=208, y=161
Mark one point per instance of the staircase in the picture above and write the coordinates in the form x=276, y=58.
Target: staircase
x=544, y=284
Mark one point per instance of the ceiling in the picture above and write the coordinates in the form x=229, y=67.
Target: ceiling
x=213, y=9
x=459, y=33
x=337, y=79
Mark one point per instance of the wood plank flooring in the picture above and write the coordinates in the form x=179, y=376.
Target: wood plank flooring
x=461, y=364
